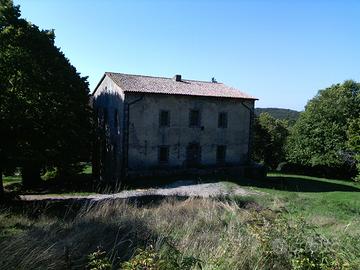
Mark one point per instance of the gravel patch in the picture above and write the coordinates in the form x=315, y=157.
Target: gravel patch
x=186, y=188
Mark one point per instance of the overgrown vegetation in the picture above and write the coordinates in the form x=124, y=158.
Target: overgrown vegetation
x=252, y=233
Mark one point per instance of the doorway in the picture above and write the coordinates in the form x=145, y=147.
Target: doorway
x=193, y=155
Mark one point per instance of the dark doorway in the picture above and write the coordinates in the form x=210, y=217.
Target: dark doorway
x=193, y=155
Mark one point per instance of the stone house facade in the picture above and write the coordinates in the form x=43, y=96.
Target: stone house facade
x=154, y=125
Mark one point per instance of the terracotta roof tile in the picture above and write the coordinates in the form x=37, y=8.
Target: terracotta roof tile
x=160, y=85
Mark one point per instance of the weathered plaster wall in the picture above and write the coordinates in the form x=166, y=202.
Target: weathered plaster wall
x=108, y=96
x=145, y=135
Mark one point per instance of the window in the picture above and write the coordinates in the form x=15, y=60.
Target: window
x=164, y=118
x=222, y=120
x=221, y=154
x=116, y=120
x=163, y=154
x=115, y=153
x=194, y=118
x=105, y=118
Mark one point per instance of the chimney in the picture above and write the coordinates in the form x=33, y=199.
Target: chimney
x=177, y=78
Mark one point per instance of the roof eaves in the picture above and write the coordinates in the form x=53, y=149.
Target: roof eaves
x=102, y=78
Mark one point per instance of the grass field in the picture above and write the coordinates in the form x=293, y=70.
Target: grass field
x=297, y=222
x=333, y=205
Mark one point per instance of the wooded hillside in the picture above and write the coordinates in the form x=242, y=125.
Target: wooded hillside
x=279, y=113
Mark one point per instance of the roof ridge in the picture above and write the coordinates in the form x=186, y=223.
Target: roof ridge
x=138, y=75
x=158, y=77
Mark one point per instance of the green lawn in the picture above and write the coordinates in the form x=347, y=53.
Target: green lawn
x=11, y=180
x=333, y=205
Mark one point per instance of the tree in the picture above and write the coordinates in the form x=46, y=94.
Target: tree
x=353, y=143
x=270, y=135
x=44, y=105
x=319, y=138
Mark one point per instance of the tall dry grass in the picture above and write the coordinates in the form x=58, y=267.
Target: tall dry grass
x=219, y=234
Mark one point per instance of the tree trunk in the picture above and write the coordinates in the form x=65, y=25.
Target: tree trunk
x=1, y=186
x=30, y=175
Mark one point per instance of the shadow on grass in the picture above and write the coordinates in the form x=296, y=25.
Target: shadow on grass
x=68, y=208
x=296, y=184
x=69, y=243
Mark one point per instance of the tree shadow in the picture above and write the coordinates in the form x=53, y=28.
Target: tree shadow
x=69, y=243
x=295, y=184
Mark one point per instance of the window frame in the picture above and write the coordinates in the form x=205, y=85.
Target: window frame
x=116, y=120
x=167, y=160
x=198, y=124
x=223, y=120
x=161, y=124
x=221, y=155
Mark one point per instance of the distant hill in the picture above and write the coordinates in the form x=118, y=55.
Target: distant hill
x=279, y=113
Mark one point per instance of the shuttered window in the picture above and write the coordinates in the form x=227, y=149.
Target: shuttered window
x=194, y=118
x=164, y=118
x=163, y=156
x=222, y=120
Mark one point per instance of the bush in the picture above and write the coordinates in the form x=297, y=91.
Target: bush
x=296, y=246
x=98, y=261
x=168, y=258
x=318, y=171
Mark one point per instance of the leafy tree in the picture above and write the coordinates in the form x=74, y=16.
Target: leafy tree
x=270, y=135
x=44, y=105
x=354, y=143
x=320, y=136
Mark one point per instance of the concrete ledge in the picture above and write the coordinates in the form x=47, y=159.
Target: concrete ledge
x=162, y=172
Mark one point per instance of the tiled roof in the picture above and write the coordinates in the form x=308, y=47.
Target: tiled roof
x=160, y=85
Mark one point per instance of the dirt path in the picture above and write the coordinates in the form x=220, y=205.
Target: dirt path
x=179, y=188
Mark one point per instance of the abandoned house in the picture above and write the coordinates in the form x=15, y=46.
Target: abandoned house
x=154, y=125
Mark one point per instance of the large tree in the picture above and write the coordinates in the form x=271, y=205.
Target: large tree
x=44, y=105
x=320, y=136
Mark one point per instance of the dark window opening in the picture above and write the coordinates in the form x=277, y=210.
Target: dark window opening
x=115, y=152
x=193, y=154
x=98, y=117
x=105, y=121
x=116, y=120
x=222, y=120
x=164, y=119
x=194, y=118
x=163, y=154
x=221, y=154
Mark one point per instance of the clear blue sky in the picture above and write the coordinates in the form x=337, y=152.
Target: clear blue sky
x=282, y=52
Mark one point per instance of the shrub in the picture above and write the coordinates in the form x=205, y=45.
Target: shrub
x=296, y=246
x=98, y=261
x=168, y=258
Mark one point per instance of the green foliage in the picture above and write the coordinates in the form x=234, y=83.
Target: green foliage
x=270, y=135
x=278, y=113
x=168, y=258
x=44, y=109
x=353, y=142
x=319, y=137
x=98, y=261
x=296, y=245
